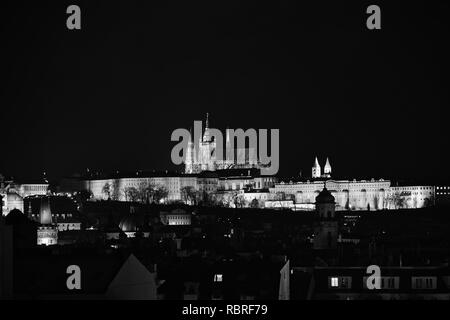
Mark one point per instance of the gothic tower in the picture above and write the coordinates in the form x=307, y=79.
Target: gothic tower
x=207, y=149
x=189, y=161
x=316, y=171
x=327, y=169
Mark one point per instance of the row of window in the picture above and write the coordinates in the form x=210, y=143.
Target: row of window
x=385, y=282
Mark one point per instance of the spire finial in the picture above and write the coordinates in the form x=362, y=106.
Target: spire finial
x=207, y=120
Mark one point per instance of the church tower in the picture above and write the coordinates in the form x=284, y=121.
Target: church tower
x=47, y=232
x=326, y=230
x=316, y=171
x=327, y=169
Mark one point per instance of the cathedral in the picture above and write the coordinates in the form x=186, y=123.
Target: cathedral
x=205, y=158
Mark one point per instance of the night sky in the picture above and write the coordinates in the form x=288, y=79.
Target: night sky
x=109, y=96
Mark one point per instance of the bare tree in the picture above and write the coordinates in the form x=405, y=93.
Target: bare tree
x=115, y=192
x=106, y=190
x=189, y=195
x=159, y=193
x=255, y=203
x=131, y=194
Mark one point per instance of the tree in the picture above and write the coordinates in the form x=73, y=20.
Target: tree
x=396, y=200
x=239, y=201
x=254, y=204
x=106, y=190
x=144, y=192
x=131, y=194
x=159, y=193
x=115, y=188
x=189, y=195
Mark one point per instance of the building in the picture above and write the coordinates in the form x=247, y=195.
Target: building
x=47, y=232
x=443, y=194
x=6, y=260
x=135, y=187
x=177, y=217
x=13, y=192
x=205, y=158
x=357, y=194
x=350, y=283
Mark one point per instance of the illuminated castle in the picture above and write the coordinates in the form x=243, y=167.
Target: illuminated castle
x=205, y=158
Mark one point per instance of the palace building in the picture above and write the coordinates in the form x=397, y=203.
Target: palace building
x=13, y=192
x=356, y=194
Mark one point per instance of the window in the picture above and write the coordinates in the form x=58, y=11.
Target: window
x=335, y=282
x=340, y=282
x=423, y=282
x=218, y=278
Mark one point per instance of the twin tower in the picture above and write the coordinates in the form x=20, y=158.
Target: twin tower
x=317, y=171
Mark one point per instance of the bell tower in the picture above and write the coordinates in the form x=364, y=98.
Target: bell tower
x=326, y=230
x=327, y=169
x=316, y=170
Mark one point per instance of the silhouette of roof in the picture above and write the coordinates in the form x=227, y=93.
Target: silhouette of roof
x=16, y=217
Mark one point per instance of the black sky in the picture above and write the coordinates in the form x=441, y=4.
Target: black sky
x=109, y=96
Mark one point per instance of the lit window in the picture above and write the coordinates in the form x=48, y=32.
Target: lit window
x=218, y=278
x=334, y=282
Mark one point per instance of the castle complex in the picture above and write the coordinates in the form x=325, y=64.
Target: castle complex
x=209, y=176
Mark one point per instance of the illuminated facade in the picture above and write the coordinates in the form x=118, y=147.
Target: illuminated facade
x=47, y=236
x=116, y=188
x=207, y=182
x=13, y=193
x=360, y=195
x=355, y=194
x=47, y=232
x=11, y=201
x=204, y=159
x=176, y=217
